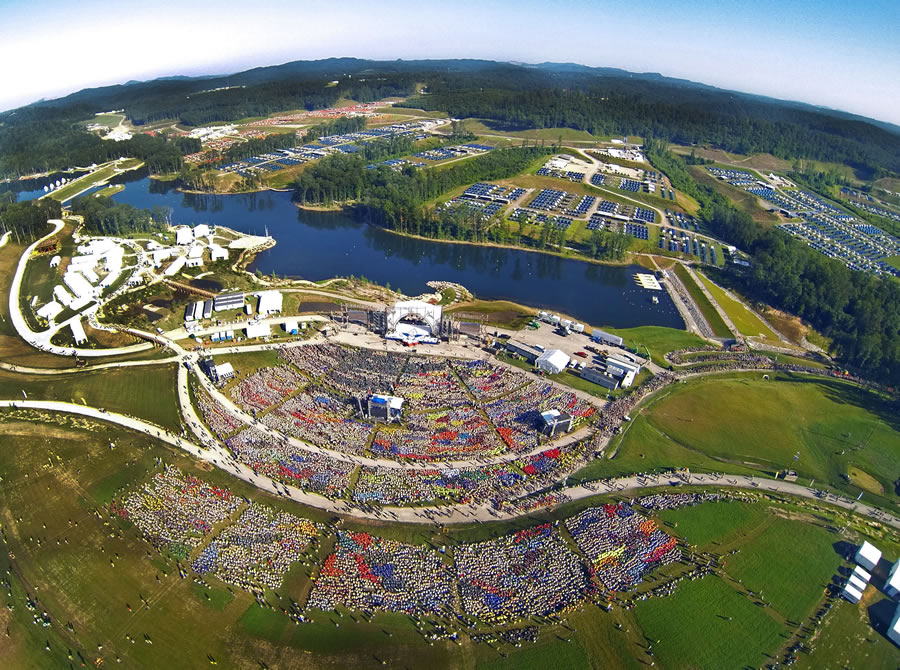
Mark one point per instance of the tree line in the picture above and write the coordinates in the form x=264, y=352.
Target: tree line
x=682, y=114
x=103, y=216
x=858, y=311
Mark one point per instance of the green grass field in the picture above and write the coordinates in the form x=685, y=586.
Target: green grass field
x=87, y=569
x=736, y=423
x=692, y=629
x=706, y=308
x=743, y=318
x=658, y=339
x=146, y=392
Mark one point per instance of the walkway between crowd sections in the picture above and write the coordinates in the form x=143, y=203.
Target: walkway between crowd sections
x=451, y=514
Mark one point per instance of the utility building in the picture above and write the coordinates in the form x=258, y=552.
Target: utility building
x=554, y=422
x=385, y=408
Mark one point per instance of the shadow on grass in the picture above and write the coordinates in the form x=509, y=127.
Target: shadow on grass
x=880, y=615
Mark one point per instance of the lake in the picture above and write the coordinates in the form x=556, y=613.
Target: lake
x=320, y=245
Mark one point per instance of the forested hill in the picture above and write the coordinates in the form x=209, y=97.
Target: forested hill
x=604, y=101
x=682, y=112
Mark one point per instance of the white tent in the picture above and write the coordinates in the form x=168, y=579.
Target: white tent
x=552, y=361
x=50, y=310
x=183, y=235
x=868, y=556
x=78, y=331
x=892, y=585
x=258, y=330
x=894, y=629
x=851, y=593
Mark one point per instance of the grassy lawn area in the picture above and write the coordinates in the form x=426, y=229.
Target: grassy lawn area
x=893, y=261
x=658, y=339
x=479, y=127
x=712, y=524
x=499, y=313
x=100, y=572
x=148, y=392
x=743, y=318
x=744, y=201
x=692, y=629
x=789, y=562
x=744, y=422
x=847, y=639
x=706, y=308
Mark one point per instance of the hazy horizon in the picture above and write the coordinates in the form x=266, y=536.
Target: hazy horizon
x=783, y=50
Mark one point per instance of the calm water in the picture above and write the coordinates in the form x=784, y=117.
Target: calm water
x=30, y=189
x=322, y=245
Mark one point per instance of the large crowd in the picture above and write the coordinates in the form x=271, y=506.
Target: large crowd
x=517, y=414
x=461, y=433
x=219, y=420
x=266, y=388
x=321, y=418
x=278, y=459
x=258, y=549
x=403, y=486
x=621, y=544
x=529, y=573
x=428, y=383
x=369, y=573
x=486, y=380
x=176, y=511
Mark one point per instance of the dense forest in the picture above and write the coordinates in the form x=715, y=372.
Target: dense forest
x=43, y=136
x=26, y=221
x=47, y=146
x=102, y=216
x=860, y=312
x=679, y=114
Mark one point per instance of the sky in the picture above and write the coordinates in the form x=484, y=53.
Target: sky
x=833, y=53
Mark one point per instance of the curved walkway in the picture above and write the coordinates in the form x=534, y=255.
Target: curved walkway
x=451, y=514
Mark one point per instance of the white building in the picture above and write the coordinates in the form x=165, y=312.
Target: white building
x=269, y=302
x=258, y=330
x=62, y=295
x=175, y=267
x=893, y=631
x=183, y=236
x=552, y=361
x=160, y=255
x=50, y=311
x=892, y=585
x=851, y=593
x=78, y=331
x=79, y=286
x=218, y=253
x=54, y=262
x=622, y=369
x=868, y=556
x=201, y=230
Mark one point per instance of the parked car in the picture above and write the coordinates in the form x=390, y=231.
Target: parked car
x=581, y=354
